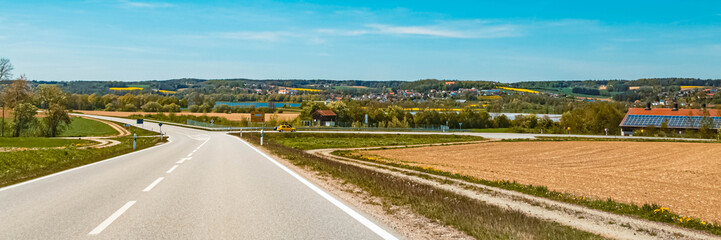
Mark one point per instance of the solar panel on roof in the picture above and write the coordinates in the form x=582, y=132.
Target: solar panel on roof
x=671, y=121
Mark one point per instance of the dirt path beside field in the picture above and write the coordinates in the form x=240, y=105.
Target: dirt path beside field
x=590, y=220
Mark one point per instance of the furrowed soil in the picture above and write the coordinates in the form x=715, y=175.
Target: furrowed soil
x=229, y=116
x=686, y=177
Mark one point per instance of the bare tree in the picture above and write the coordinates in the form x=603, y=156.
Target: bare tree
x=6, y=69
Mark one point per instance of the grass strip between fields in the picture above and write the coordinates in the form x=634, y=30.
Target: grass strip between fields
x=39, y=142
x=473, y=217
x=651, y=212
x=307, y=141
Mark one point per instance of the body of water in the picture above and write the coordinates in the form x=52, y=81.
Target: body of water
x=258, y=104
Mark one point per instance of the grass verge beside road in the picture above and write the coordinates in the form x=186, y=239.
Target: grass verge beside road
x=19, y=166
x=307, y=141
x=473, y=217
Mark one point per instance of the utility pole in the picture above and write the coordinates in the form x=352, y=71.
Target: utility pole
x=2, y=125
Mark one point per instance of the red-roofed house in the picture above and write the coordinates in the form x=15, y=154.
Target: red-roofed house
x=324, y=118
x=671, y=118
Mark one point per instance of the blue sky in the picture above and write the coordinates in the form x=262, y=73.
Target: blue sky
x=366, y=40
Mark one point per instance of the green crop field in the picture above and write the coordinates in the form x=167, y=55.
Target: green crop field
x=82, y=127
x=351, y=140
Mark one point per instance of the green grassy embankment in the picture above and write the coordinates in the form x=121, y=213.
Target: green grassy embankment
x=82, y=127
x=473, y=217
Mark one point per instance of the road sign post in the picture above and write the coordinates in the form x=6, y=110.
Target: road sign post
x=135, y=138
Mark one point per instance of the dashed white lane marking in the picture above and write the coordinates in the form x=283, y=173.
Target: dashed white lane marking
x=355, y=215
x=111, y=219
x=183, y=160
x=190, y=154
x=171, y=169
x=152, y=185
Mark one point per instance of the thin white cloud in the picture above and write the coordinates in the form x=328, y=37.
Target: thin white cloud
x=417, y=30
x=138, y=4
x=460, y=29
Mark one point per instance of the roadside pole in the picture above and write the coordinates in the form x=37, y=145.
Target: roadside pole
x=241, y=132
x=135, y=138
x=160, y=127
x=261, y=136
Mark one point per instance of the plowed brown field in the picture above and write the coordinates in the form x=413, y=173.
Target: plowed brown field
x=686, y=177
x=229, y=116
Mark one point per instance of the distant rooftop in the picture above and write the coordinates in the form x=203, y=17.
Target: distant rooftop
x=679, y=119
x=671, y=112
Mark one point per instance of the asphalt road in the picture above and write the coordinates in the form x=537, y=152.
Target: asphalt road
x=201, y=185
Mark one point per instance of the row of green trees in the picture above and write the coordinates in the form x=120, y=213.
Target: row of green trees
x=25, y=101
x=585, y=118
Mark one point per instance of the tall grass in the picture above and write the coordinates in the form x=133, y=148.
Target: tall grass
x=473, y=217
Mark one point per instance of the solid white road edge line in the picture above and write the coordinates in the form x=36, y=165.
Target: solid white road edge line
x=152, y=185
x=111, y=219
x=79, y=167
x=355, y=215
x=172, y=168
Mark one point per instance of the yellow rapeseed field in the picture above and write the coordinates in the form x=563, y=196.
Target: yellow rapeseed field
x=125, y=88
x=307, y=89
x=519, y=90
